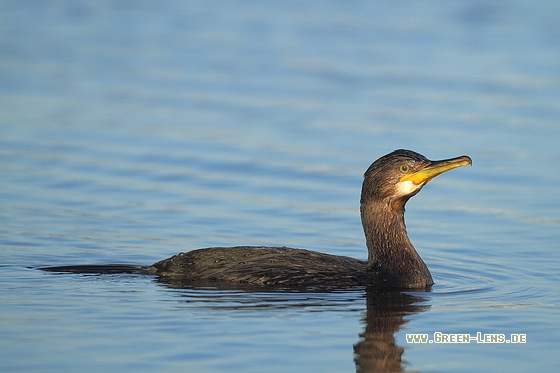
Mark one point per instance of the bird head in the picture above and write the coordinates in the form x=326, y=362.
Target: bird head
x=401, y=174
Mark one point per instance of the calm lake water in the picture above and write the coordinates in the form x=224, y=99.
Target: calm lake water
x=133, y=130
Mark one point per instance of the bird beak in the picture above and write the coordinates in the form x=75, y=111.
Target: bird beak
x=435, y=168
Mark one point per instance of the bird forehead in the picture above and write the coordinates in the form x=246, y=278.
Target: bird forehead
x=416, y=162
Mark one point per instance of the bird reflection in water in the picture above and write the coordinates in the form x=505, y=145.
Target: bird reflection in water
x=386, y=312
x=377, y=350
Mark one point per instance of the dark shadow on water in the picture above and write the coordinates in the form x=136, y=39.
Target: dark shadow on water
x=377, y=350
x=386, y=311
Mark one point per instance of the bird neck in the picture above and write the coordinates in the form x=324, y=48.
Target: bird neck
x=391, y=255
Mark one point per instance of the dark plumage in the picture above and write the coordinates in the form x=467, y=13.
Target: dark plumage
x=392, y=260
x=280, y=266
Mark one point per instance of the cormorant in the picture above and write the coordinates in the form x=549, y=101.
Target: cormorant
x=392, y=260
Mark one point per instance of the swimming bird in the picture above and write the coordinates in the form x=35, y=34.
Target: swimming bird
x=392, y=262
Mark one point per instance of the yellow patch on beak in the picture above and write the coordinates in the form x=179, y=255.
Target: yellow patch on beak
x=435, y=168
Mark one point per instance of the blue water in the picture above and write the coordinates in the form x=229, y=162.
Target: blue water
x=130, y=131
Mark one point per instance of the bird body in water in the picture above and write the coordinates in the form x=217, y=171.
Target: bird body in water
x=392, y=260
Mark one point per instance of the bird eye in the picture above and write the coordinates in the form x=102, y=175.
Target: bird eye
x=404, y=168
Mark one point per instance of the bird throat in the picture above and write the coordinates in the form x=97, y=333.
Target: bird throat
x=391, y=256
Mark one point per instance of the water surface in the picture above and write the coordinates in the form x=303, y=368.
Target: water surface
x=130, y=131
